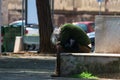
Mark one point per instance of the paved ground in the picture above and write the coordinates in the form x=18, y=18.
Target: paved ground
x=29, y=68
x=32, y=68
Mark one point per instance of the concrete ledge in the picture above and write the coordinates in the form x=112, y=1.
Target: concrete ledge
x=97, y=63
x=92, y=54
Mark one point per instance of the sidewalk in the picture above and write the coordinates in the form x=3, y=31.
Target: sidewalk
x=29, y=68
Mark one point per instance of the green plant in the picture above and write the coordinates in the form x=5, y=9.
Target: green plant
x=84, y=75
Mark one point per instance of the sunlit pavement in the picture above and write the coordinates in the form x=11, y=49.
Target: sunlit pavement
x=28, y=75
x=28, y=68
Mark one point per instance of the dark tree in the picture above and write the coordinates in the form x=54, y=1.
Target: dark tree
x=45, y=25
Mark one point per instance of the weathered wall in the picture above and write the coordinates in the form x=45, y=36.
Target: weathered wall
x=15, y=10
x=4, y=7
x=87, y=5
x=107, y=34
x=11, y=10
x=75, y=63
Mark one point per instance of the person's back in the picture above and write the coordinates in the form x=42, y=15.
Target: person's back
x=71, y=32
x=71, y=39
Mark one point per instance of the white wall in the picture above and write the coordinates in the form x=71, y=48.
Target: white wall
x=107, y=34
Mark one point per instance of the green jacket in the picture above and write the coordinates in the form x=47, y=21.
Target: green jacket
x=70, y=31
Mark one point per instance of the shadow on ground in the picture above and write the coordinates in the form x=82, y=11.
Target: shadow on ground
x=20, y=63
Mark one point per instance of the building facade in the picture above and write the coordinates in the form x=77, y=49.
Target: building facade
x=11, y=10
x=80, y=10
x=14, y=10
x=64, y=10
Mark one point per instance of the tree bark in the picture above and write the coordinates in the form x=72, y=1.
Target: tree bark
x=45, y=25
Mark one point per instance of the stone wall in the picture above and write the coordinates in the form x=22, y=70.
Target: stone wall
x=87, y=5
x=75, y=63
x=14, y=10
x=11, y=10
x=4, y=7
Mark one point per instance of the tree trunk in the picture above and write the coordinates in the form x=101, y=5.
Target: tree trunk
x=45, y=25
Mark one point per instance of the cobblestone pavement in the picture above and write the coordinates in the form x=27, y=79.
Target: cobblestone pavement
x=29, y=68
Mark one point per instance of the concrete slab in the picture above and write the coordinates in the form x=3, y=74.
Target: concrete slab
x=107, y=30
x=103, y=63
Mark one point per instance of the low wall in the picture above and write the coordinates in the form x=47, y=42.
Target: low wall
x=73, y=63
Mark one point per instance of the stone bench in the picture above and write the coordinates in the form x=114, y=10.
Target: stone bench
x=97, y=63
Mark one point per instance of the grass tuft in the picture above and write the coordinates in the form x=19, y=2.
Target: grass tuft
x=84, y=75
